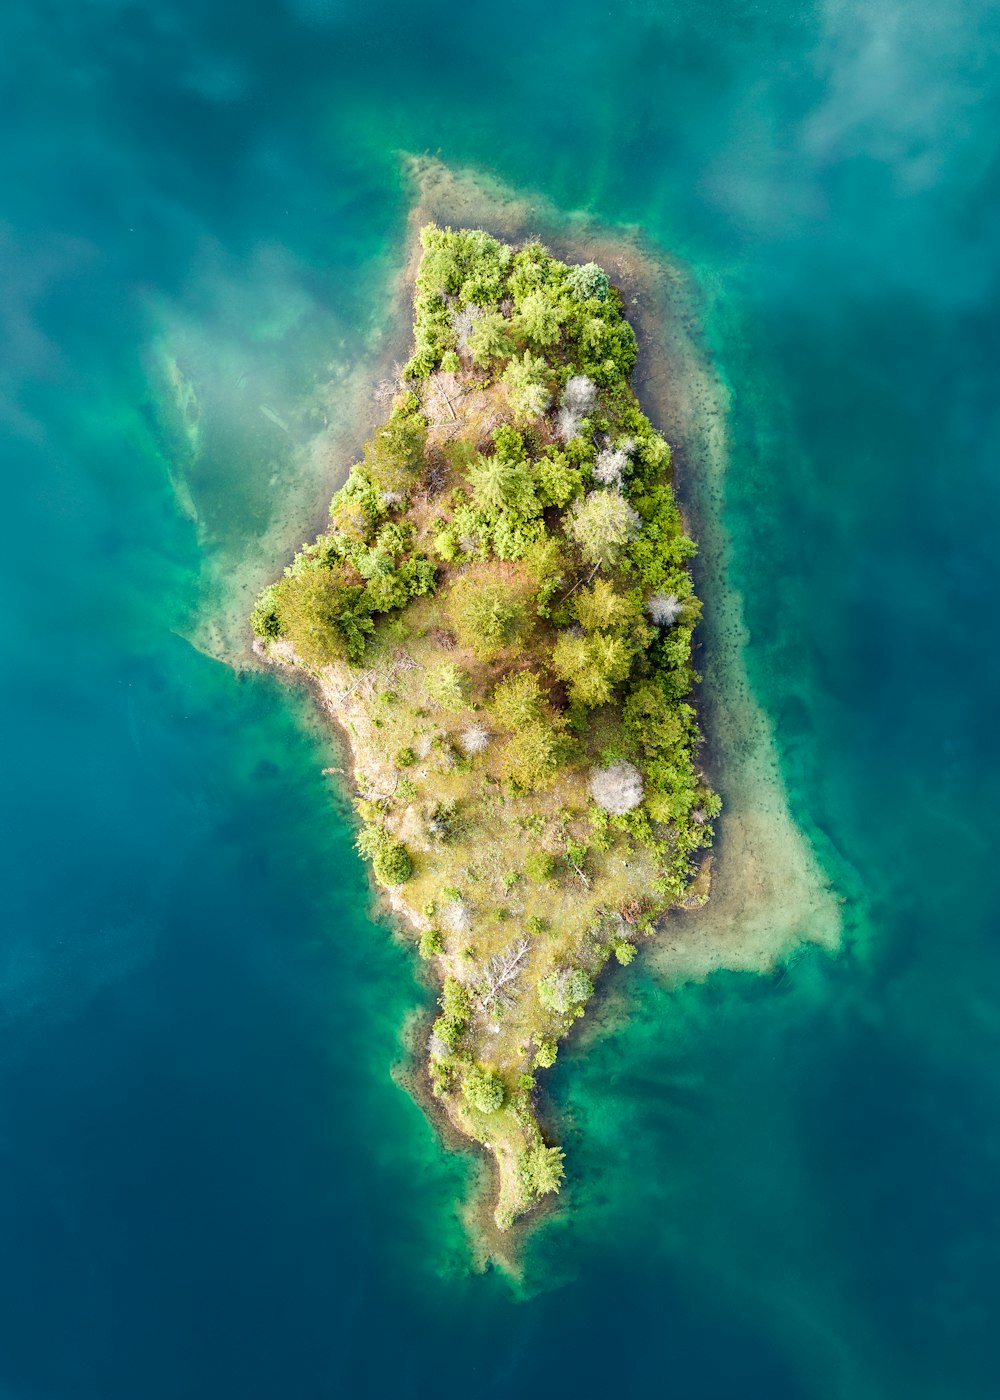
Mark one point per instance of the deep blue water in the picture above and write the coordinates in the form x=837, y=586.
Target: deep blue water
x=210, y=1184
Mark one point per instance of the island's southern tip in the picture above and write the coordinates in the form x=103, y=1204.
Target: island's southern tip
x=500, y=617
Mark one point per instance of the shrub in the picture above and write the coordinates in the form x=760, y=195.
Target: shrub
x=564, y=989
x=484, y=1089
x=447, y=685
x=405, y=757
x=391, y=863
x=617, y=789
x=264, y=619
x=624, y=952
x=545, y=1055
x=588, y=282
x=539, y=866
x=449, y=1029
x=431, y=942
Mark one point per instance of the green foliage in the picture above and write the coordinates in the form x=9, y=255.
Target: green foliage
x=592, y=664
x=518, y=700
x=588, y=281
x=565, y=989
x=396, y=450
x=447, y=684
x=264, y=619
x=391, y=861
x=490, y=338
x=533, y=755
x=405, y=757
x=538, y=319
x=662, y=546
x=540, y=1170
x=558, y=482
x=539, y=866
x=545, y=1055
x=526, y=386
x=535, y=925
x=483, y=1088
x=602, y=606
x=486, y=614
x=466, y=263
x=624, y=952
x=456, y=1010
x=501, y=485
x=322, y=615
x=431, y=943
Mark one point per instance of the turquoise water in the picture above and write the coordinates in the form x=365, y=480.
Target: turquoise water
x=780, y=1187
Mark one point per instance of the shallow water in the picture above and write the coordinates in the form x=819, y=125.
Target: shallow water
x=782, y=1186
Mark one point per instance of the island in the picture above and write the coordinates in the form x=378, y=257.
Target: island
x=499, y=617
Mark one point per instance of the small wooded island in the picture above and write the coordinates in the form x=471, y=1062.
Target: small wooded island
x=500, y=617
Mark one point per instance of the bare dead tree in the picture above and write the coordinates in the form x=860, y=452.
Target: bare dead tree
x=499, y=972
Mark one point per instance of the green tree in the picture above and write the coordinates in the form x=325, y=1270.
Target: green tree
x=532, y=757
x=499, y=485
x=322, y=616
x=540, y=1169
x=447, y=684
x=525, y=378
x=518, y=700
x=486, y=614
x=489, y=338
x=264, y=619
x=391, y=864
x=431, y=942
x=484, y=1089
x=538, y=319
x=592, y=665
x=564, y=989
x=602, y=606
x=588, y=282
x=396, y=450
